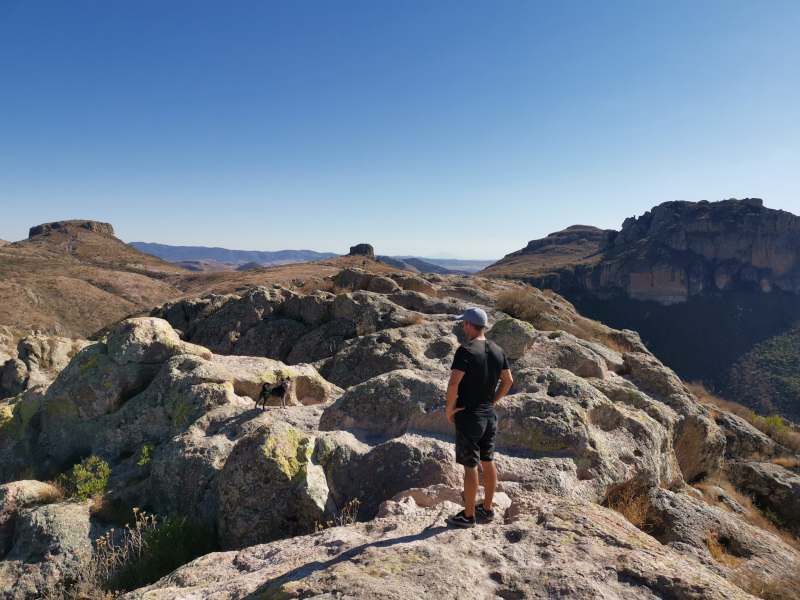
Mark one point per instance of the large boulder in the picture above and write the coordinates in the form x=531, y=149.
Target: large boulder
x=417, y=284
x=513, y=336
x=740, y=550
x=562, y=351
x=349, y=278
x=271, y=339
x=611, y=443
x=742, y=440
x=103, y=376
x=382, y=285
x=51, y=547
x=372, y=475
x=321, y=343
x=368, y=312
x=387, y=405
x=427, y=348
x=772, y=487
x=16, y=496
x=271, y=487
x=14, y=377
x=313, y=310
x=220, y=331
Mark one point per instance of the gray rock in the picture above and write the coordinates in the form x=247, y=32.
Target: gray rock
x=14, y=377
x=322, y=342
x=742, y=440
x=313, y=310
x=221, y=330
x=51, y=546
x=417, y=284
x=554, y=548
x=386, y=405
x=382, y=285
x=690, y=526
x=771, y=486
x=362, y=250
x=513, y=336
x=428, y=348
x=16, y=496
x=373, y=475
x=271, y=339
x=271, y=487
x=349, y=278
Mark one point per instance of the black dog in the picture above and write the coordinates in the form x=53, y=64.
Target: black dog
x=279, y=390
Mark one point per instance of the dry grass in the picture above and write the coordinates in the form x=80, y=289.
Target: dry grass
x=780, y=430
x=720, y=553
x=320, y=285
x=791, y=463
x=631, y=502
x=347, y=516
x=782, y=588
x=538, y=307
x=753, y=515
x=413, y=318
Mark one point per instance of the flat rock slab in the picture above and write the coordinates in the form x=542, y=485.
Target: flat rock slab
x=555, y=549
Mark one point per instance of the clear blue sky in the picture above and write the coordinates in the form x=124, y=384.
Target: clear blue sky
x=429, y=127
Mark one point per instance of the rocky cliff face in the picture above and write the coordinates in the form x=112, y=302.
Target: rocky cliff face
x=673, y=252
x=65, y=226
x=587, y=422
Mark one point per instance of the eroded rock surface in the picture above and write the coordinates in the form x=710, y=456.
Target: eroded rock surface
x=365, y=421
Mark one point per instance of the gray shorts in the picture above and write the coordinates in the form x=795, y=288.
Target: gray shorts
x=475, y=436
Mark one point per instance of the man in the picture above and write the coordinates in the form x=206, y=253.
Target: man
x=472, y=393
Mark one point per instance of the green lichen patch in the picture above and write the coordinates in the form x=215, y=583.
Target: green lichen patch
x=16, y=413
x=291, y=451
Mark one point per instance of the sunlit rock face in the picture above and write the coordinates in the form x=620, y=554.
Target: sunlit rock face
x=674, y=251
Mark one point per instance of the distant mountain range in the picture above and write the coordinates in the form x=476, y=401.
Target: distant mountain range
x=202, y=258
x=237, y=257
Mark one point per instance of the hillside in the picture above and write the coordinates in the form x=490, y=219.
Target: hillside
x=615, y=480
x=73, y=277
x=768, y=377
x=703, y=283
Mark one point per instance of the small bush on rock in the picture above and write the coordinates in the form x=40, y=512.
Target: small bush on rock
x=89, y=477
x=347, y=516
x=176, y=542
x=146, y=456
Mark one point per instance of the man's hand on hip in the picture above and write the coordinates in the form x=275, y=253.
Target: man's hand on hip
x=451, y=414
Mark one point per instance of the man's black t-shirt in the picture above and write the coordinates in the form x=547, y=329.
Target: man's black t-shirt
x=481, y=361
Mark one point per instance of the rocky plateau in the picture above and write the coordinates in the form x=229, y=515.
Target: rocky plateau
x=594, y=422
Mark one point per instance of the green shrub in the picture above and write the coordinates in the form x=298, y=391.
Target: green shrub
x=146, y=456
x=89, y=477
x=176, y=542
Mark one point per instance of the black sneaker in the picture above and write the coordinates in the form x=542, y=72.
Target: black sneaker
x=461, y=520
x=486, y=514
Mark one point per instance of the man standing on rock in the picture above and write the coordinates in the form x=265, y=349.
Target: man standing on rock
x=472, y=393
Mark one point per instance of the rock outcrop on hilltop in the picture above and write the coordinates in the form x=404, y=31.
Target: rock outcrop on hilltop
x=674, y=251
x=587, y=422
x=362, y=250
x=65, y=226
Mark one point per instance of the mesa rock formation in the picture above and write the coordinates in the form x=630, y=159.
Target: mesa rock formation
x=674, y=251
x=592, y=416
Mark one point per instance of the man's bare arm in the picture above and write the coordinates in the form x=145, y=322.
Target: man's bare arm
x=505, y=384
x=452, y=393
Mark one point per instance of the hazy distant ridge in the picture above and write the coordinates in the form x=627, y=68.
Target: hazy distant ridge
x=279, y=257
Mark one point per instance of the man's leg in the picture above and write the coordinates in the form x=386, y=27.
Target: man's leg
x=489, y=483
x=470, y=490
